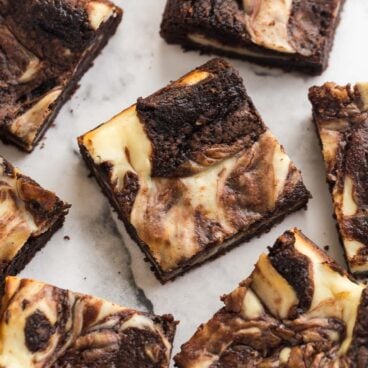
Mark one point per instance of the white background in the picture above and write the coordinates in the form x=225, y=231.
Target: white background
x=99, y=258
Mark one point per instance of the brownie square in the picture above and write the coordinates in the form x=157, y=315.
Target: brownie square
x=29, y=216
x=46, y=47
x=297, y=309
x=341, y=118
x=293, y=35
x=192, y=170
x=45, y=326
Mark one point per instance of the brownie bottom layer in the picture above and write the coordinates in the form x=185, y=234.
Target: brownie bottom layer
x=105, y=34
x=28, y=251
x=207, y=254
x=286, y=64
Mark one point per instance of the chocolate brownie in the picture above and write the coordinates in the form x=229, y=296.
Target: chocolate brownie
x=47, y=327
x=192, y=170
x=341, y=118
x=291, y=34
x=29, y=216
x=46, y=47
x=297, y=309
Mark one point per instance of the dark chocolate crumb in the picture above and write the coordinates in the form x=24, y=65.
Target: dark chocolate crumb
x=66, y=237
x=38, y=331
x=326, y=248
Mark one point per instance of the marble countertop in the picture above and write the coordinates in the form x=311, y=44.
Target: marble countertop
x=100, y=258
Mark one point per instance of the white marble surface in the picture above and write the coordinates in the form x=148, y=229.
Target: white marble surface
x=99, y=258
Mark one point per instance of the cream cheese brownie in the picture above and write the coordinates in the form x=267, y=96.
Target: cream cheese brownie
x=192, y=170
x=42, y=326
x=46, y=47
x=341, y=117
x=292, y=34
x=297, y=309
x=29, y=216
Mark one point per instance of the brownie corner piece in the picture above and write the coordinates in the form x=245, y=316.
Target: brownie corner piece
x=341, y=119
x=298, y=308
x=293, y=35
x=46, y=47
x=46, y=326
x=192, y=170
x=29, y=216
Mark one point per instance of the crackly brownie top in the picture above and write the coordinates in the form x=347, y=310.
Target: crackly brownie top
x=224, y=171
x=300, y=27
x=43, y=326
x=199, y=120
x=41, y=45
x=341, y=115
x=26, y=211
x=297, y=309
